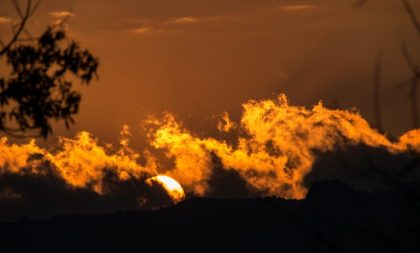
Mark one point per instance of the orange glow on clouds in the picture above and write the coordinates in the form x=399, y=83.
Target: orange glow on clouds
x=273, y=153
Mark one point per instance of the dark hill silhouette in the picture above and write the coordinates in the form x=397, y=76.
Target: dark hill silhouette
x=333, y=218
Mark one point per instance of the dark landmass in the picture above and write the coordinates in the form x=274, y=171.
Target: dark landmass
x=333, y=218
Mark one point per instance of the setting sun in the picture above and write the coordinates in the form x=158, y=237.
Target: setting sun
x=209, y=126
x=171, y=186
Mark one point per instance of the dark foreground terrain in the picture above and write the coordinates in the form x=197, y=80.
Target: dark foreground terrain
x=333, y=218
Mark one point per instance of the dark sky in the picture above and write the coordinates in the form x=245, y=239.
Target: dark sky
x=199, y=58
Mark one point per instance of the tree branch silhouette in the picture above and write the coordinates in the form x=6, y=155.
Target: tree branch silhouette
x=37, y=89
x=24, y=17
x=412, y=15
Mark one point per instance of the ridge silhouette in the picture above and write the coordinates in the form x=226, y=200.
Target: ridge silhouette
x=333, y=218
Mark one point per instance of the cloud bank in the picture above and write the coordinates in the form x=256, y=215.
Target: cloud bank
x=279, y=150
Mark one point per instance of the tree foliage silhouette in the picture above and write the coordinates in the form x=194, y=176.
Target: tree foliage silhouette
x=38, y=88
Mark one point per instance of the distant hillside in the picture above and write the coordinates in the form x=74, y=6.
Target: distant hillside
x=333, y=218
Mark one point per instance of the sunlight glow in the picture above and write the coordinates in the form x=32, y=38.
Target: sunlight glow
x=172, y=187
x=274, y=151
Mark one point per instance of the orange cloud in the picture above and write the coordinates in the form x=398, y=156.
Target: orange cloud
x=225, y=124
x=142, y=30
x=296, y=7
x=185, y=20
x=277, y=149
x=171, y=24
x=61, y=14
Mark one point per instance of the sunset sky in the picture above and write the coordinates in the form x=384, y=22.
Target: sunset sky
x=206, y=98
x=200, y=58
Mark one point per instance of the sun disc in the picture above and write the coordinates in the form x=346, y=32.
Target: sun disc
x=171, y=186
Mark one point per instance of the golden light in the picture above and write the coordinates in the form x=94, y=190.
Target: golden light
x=293, y=131
x=171, y=186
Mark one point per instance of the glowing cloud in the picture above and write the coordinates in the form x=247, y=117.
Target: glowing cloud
x=61, y=14
x=142, y=30
x=185, y=20
x=296, y=7
x=81, y=161
x=150, y=25
x=225, y=124
x=276, y=149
